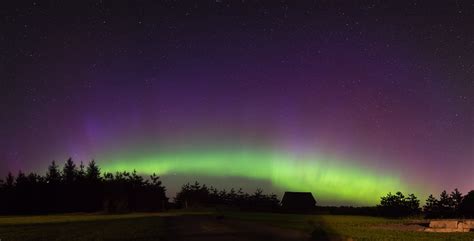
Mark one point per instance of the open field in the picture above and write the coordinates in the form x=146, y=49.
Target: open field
x=213, y=226
x=82, y=227
x=355, y=227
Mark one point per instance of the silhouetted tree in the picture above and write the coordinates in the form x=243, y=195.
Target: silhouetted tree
x=21, y=192
x=456, y=199
x=444, y=200
x=8, y=199
x=69, y=171
x=72, y=198
x=445, y=205
x=431, y=207
x=466, y=208
x=81, y=173
x=398, y=205
x=156, y=194
x=92, y=172
x=53, y=190
x=9, y=180
x=412, y=204
x=53, y=175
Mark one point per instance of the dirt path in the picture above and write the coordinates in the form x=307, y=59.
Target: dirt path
x=209, y=228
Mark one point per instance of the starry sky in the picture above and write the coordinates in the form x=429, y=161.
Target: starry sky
x=347, y=100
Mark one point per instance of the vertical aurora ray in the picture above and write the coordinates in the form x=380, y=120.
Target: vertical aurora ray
x=328, y=179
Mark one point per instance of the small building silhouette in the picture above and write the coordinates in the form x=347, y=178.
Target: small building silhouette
x=298, y=202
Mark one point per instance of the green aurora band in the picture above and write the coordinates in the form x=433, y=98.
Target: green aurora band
x=328, y=179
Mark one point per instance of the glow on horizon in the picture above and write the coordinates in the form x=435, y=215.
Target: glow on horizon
x=329, y=180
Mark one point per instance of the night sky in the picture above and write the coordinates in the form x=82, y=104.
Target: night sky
x=349, y=101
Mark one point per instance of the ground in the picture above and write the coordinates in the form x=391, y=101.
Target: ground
x=209, y=226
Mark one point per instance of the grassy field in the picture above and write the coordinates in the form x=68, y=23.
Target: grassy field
x=151, y=226
x=82, y=227
x=360, y=228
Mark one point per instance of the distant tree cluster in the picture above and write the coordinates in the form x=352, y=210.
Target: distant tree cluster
x=453, y=205
x=80, y=189
x=398, y=205
x=197, y=195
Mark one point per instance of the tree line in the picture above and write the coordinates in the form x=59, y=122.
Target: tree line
x=197, y=195
x=453, y=205
x=80, y=189
x=84, y=188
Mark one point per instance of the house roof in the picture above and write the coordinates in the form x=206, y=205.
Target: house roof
x=299, y=198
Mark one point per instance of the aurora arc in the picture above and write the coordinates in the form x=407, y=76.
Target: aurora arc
x=328, y=179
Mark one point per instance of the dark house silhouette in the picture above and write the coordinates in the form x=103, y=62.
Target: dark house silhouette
x=298, y=202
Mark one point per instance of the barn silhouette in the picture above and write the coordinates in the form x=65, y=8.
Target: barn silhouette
x=298, y=202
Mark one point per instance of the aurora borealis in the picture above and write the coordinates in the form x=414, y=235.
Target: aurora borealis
x=349, y=101
x=299, y=173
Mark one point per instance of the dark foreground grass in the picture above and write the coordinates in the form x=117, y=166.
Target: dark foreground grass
x=82, y=227
x=151, y=226
x=359, y=228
